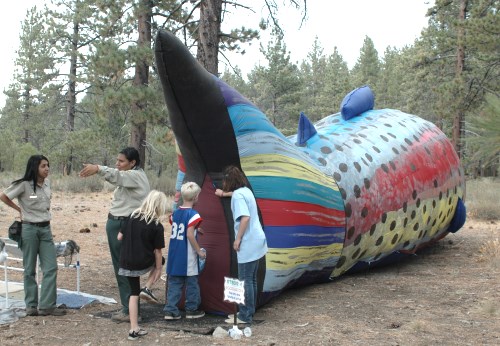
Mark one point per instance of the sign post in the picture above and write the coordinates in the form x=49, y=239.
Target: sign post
x=234, y=292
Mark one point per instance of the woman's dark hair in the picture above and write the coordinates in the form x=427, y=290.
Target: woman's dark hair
x=132, y=154
x=31, y=173
x=233, y=179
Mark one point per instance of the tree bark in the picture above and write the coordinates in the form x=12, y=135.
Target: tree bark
x=71, y=95
x=208, y=35
x=141, y=79
x=459, y=118
x=26, y=115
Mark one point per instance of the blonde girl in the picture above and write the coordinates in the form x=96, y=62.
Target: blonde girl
x=142, y=241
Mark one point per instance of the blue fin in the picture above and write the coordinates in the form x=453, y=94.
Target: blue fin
x=306, y=129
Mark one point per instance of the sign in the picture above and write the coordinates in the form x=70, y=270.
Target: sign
x=234, y=291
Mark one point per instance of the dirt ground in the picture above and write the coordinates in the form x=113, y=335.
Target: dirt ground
x=449, y=294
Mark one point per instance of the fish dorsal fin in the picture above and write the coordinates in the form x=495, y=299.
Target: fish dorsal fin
x=305, y=131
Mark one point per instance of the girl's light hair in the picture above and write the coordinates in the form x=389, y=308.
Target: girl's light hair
x=189, y=191
x=153, y=208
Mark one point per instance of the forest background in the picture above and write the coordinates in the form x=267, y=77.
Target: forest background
x=85, y=84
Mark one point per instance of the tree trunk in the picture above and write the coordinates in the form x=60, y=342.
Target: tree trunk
x=208, y=37
x=458, y=120
x=71, y=95
x=26, y=115
x=141, y=79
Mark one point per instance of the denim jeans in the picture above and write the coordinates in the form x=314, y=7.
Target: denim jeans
x=174, y=292
x=248, y=273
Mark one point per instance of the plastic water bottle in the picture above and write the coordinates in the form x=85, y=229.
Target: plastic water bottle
x=201, y=261
x=247, y=332
x=235, y=333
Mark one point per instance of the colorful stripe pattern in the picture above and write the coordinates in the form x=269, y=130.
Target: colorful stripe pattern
x=301, y=206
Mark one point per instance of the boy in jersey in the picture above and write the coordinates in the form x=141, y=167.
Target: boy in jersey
x=183, y=252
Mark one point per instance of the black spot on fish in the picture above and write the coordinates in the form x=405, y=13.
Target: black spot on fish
x=342, y=193
x=367, y=183
x=385, y=168
x=343, y=167
x=379, y=241
x=348, y=210
x=341, y=261
x=393, y=225
x=326, y=150
x=357, y=166
x=364, y=212
x=384, y=217
x=372, y=229
x=376, y=149
x=357, y=191
x=350, y=232
x=337, y=176
x=357, y=240
x=394, y=239
x=355, y=254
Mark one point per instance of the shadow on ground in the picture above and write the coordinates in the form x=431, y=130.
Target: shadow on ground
x=152, y=315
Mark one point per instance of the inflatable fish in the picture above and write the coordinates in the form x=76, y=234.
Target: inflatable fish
x=358, y=188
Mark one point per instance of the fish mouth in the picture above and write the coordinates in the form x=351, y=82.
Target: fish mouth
x=197, y=111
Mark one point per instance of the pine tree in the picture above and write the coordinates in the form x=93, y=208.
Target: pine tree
x=366, y=71
x=32, y=95
x=277, y=87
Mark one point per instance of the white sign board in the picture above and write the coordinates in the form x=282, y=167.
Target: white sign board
x=234, y=291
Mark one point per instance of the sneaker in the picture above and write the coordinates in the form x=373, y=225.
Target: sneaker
x=31, y=312
x=134, y=335
x=120, y=317
x=51, y=312
x=195, y=314
x=171, y=316
x=148, y=295
x=238, y=321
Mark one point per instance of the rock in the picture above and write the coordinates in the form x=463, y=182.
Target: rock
x=219, y=332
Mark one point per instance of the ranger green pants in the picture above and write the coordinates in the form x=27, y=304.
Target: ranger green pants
x=112, y=229
x=37, y=241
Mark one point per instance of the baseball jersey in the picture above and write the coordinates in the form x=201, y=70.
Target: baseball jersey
x=182, y=257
